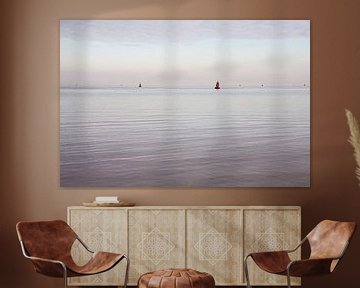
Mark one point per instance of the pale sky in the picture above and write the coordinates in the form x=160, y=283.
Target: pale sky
x=184, y=53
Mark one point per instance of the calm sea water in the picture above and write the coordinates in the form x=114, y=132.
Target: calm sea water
x=185, y=137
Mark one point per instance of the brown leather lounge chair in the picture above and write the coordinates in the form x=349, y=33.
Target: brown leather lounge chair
x=48, y=245
x=328, y=242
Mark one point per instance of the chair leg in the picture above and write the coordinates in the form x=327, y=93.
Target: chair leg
x=65, y=276
x=288, y=278
x=246, y=270
x=127, y=271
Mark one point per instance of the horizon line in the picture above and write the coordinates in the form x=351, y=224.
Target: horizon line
x=75, y=86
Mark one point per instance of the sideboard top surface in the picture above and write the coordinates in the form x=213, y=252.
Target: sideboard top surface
x=193, y=207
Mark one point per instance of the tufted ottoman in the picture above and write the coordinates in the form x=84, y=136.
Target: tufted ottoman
x=176, y=278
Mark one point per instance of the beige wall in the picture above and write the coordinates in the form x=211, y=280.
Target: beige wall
x=29, y=111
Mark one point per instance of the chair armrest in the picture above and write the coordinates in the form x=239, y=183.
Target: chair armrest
x=269, y=253
x=83, y=244
x=309, y=267
x=48, y=267
x=45, y=260
x=280, y=251
x=298, y=246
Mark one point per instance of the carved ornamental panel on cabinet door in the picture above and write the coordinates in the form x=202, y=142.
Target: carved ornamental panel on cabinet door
x=214, y=241
x=100, y=230
x=156, y=241
x=271, y=230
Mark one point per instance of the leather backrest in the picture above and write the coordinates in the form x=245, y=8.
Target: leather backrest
x=47, y=239
x=329, y=238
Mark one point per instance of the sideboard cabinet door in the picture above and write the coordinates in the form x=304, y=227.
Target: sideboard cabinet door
x=269, y=230
x=156, y=240
x=214, y=244
x=101, y=230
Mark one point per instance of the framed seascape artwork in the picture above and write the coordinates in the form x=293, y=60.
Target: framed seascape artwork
x=185, y=103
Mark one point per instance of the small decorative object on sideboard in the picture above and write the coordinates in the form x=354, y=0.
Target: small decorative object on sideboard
x=108, y=201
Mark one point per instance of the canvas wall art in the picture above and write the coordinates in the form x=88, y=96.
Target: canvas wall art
x=184, y=103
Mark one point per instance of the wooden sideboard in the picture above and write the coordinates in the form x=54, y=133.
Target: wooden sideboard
x=212, y=239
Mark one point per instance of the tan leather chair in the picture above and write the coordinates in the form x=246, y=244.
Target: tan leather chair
x=48, y=245
x=328, y=242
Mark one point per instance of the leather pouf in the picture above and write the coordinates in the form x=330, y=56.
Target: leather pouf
x=176, y=278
